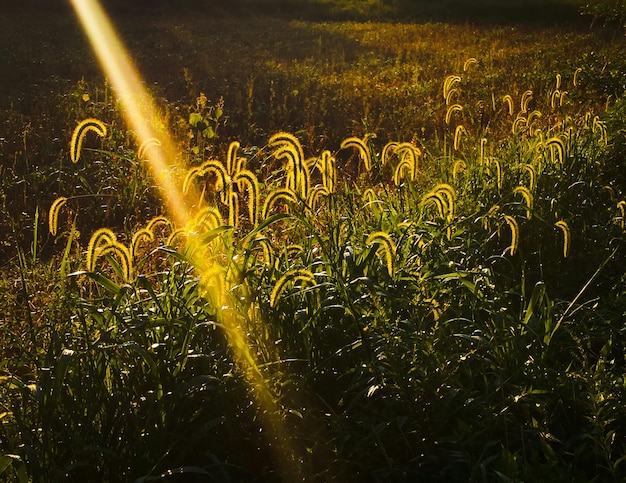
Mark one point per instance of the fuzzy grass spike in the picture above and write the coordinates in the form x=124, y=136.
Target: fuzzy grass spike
x=387, y=246
x=300, y=275
x=53, y=214
x=78, y=136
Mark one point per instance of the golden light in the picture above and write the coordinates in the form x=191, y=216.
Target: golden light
x=139, y=108
x=141, y=114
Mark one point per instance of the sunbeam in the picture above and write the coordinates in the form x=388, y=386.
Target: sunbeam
x=141, y=114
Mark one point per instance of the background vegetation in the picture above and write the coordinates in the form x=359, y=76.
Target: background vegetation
x=402, y=333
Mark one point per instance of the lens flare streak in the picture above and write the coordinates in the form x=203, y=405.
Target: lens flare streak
x=141, y=114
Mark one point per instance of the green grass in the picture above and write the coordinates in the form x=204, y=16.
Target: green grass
x=408, y=325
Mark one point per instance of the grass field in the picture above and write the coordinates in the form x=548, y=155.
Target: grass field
x=402, y=255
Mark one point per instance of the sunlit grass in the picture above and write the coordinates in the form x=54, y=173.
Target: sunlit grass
x=433, y=300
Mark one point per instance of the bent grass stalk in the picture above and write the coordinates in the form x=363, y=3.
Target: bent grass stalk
x=137, y=238
x=458, y=167
x=514, y=233
x=448, y=84
x=275, y=195
x=53, y=214
x=299, y=275
x=458, y=132
x=408, y=162
x=146, y=145
x=564, y=227
x=469, y=62
x=451, y=110
x=526, y=98
x=387, y=246
x=287, y=146
x=362, y=148
x=78, y=136
x=528, y=199
x=559, y=148
x=508, y=100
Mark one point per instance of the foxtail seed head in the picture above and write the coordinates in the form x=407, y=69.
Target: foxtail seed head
x=514, y=233
x=387, y=246
x=526, y=98
x=136, y=240
x=483, y=143
x=528, y=199
x=459, y=166
x=508, y=100
x=123, y=255
x=388, y=150
x=369, y=195
x=302, y=275
x=448, y=84
x=275, y=195
x=314, y=195
x=576, y=73
x=100, y=238
x=146, y=145
x=449, y=194
x=81, y=131
x=247, y=180
x=53, y=214
x=366, y=156
x=458, y=132
x=556, y=95
x=566, y=236
x=519, y=124
x=557, y=146
x=437, y=199
x=451, y=110
x=468, y=63
x=451, y=93
x=490, y=214
x=288, y=147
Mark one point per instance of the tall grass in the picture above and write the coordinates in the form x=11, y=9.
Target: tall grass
x=432, y=295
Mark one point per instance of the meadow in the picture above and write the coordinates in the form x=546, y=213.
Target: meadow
x=403, y=258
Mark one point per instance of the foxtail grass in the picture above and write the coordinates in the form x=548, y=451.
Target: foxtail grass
x=299, y=275
x=514, y=227
x=361, y=146
x=386, y=245
x=564, y=227
x=78, y=136
x=53, y=214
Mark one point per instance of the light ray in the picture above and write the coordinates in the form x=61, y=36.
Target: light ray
x=140, y=110
x=141, y=114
